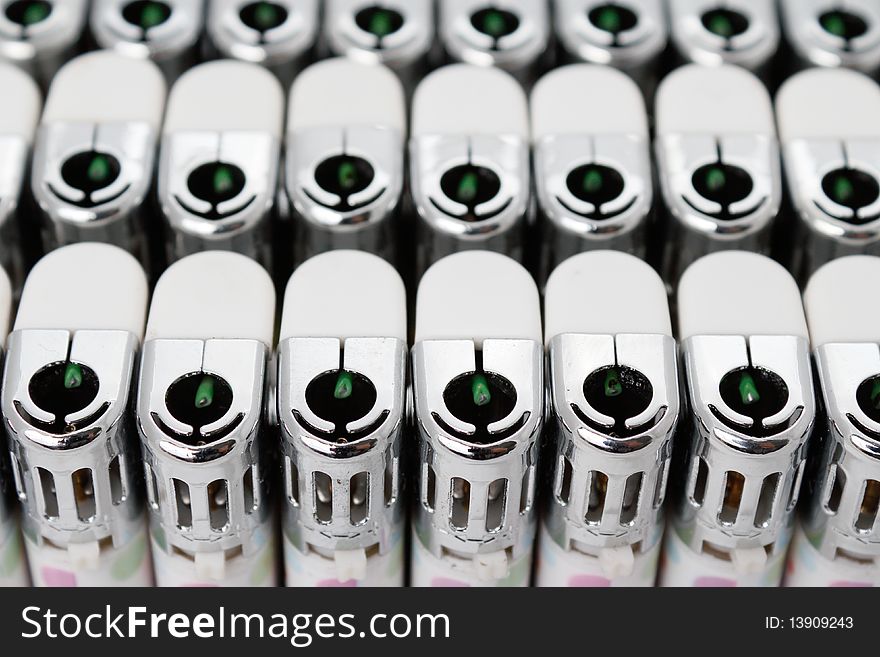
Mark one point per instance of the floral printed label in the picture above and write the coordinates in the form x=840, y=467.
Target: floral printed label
x=177, y=570
x=568, y=568
x=13, y=570
x=681, y=566
x=429, y=571
x=314, y=570
x=807, y=567
x=128, y=565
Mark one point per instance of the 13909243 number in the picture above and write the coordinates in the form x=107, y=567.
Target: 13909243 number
x=821, y=622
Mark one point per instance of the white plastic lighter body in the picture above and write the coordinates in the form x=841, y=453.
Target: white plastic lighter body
x=622, y=321
x=343, y=519
x=837, y=540
x=190, y=326
x=13, y=569
x=728, y=302
x=69, y=291
x=476, y=514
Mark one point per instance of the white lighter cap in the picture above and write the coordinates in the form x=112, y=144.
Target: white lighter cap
x=839, y=306
x=83, y=287
x=213, y=294
x=20, y=110
x=826, y=103
x=344, y=294
x=587, y=99
x=605, y=293
x=725, y=99
x=226, y=95
x=344, y=92
x=739, y=293
x=462, y=99
x=477, y=295
x=106, y=87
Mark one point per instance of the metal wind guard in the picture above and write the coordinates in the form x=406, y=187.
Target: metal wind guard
x=404, y=50
x=498, y=514
x=444, y=224
x=364, y=220
x=816, y=46
x=609, y=483
x=282, y=49
x=572, y=225
x=172, y=44
x=343, y=493
x=209, y=495
x=78, y=477
x=842, y=520
x=241, y=224
x=715, y=515
x=699, y=225
x=632, y=50
x=828, y=230
x=521, y=52
x=113, y=214
x=14, y=153
x=43, y=47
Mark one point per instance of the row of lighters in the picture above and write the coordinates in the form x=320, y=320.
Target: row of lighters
x=214, y=163
x=521, y=36
x=512, y=440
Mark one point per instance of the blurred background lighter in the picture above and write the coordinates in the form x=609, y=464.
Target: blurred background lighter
x=67, y=388
x=344, y=172
x=714, y=32
x=630, y=36
x=718, y=164
x=469, y=163
x=218, y=168
x=831, y=34
x=397, y=33
x=168, y=32
x=19, y=115
x=40, y=35
x=838, y=540
x=513, y=35
x=278, y=35
x=749, y=390
x=95, y=152
x=614, y=402
x=478, y=407
x=342, y=409
x=200, y=410
x=831, y=151
x=13, y=569
x=592, y=163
